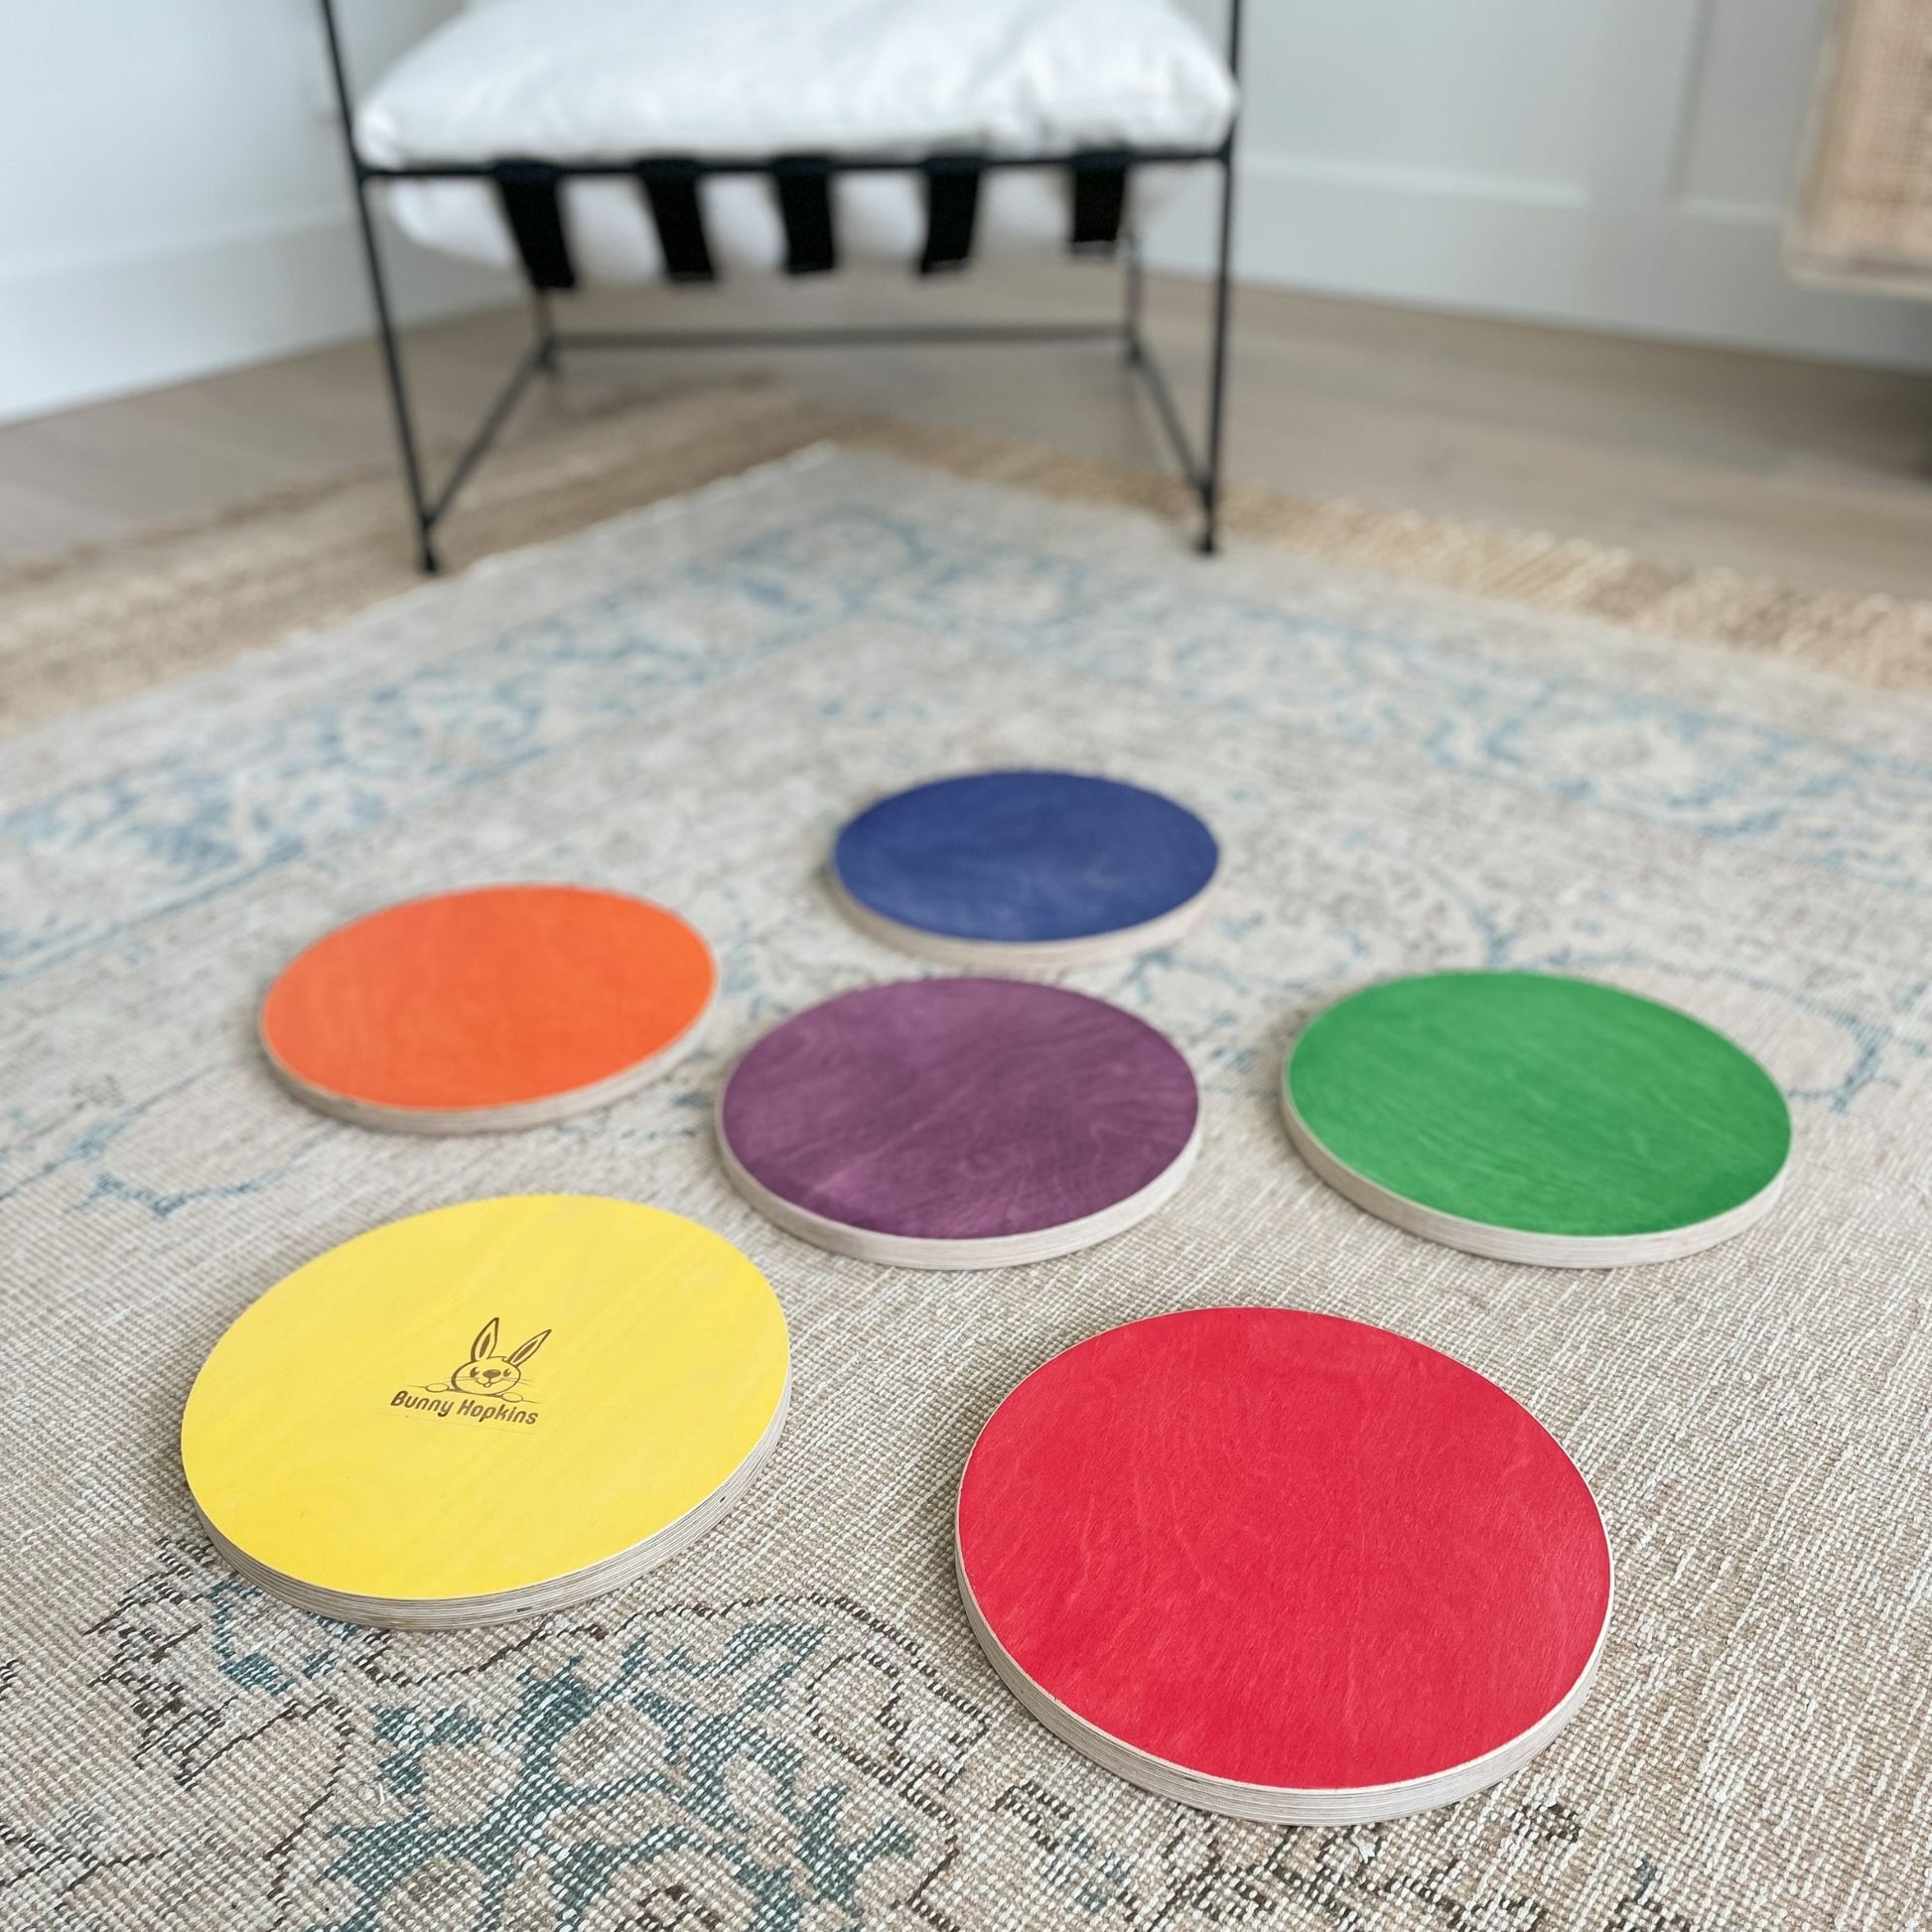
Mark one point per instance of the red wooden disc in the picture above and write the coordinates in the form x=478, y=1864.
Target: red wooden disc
x=488, y=999
x=1283, y=1550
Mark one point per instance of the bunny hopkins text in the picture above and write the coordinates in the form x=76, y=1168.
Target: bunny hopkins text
x=465, y=1407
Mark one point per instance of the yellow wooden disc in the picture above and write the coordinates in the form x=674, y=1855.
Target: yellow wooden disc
x=484, y=1398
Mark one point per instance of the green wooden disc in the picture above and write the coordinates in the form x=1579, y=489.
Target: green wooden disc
x=1529, y=1102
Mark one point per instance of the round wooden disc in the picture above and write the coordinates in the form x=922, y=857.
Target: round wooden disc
x=959, y=1123
x=1024, y=867
x=1283, y=1565
x=1537, y=1117
x=464, y=1414
x=500, y=1007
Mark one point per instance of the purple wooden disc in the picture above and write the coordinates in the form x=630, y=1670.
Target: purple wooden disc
x=959, y=1109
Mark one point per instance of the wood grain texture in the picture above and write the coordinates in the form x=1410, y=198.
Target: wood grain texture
x=1026, y=859
x=464, y=1407
x=959, y=1109
x=1531, y=1102
x=1285, y=1552
x=458, y=1006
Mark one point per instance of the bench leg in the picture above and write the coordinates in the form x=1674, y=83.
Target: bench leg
x=412, y=468
x=1201, y=471
x=1210, y=484
x=546, y=331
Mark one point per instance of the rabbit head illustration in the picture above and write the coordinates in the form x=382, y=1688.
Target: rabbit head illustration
x=489, y=1373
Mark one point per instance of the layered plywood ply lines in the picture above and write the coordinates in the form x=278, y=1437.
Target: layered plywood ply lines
x=499, y=1007
x=1024, y=870
x=490, y=1411
x=1537, y=1117
x=959, y=1123
x=1273, y=1563
x=1283, y=1565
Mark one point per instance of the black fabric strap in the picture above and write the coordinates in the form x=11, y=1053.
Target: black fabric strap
x=806, y=202
x=671, y=189
x=1099, y=202
x=952, y=199
x=528, y=189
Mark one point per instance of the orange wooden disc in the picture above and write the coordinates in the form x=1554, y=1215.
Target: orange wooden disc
x=499, y=1006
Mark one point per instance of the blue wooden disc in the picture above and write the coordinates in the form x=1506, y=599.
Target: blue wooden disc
x=1024, y=859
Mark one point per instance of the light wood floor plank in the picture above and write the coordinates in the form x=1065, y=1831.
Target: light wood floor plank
x=1804, y=472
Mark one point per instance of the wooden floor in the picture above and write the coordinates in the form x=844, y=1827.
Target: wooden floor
x=1804, y=472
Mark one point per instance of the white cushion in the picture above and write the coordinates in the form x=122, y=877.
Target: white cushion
x=613, y=80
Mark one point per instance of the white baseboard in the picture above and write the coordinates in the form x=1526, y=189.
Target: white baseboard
x=1689, y=272
x=79, y=332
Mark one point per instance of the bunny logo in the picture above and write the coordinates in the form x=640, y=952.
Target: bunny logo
x=489, y=1373
x=488, y=1387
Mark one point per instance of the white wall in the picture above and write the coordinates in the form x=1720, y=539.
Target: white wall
x=1621, y=163
x=176, y=199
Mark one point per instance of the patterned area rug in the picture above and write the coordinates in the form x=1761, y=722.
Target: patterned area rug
x=102, y=622
x=789, y=1726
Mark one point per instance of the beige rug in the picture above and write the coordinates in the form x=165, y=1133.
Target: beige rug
x=100, y=622
x=790, y=1728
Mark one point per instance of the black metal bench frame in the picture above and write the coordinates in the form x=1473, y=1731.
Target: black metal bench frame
x=429, y=504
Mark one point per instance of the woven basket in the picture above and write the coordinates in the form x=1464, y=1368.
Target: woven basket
x=1865, y=207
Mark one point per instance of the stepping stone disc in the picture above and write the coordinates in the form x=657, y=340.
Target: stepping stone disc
x=502, y=1006
x=1025, y=870
x=1537, y=1117
x=490, y=1411
x=1283, y=1565
x=959, y=1123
